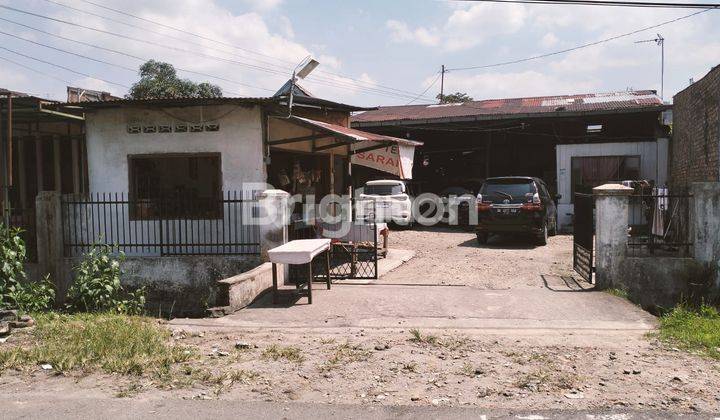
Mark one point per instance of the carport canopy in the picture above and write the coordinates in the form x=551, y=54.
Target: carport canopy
x=385, y=153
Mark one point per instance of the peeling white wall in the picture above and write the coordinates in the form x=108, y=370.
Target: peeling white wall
x=239, y=142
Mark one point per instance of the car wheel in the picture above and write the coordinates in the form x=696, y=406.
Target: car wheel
x=542, y=239
x=482, y=238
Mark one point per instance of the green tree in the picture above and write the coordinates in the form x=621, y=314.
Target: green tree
x=160, y=80
x=454, y=98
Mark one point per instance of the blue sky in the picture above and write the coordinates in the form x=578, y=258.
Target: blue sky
x=371, y=52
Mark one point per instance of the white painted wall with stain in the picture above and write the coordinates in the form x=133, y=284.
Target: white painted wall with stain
x=239, y=142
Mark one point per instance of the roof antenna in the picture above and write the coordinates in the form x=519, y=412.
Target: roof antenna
x=660, y=41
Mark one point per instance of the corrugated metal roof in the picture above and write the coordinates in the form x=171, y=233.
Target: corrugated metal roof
x=351, y=133
x=185, y=102
x=570, y=104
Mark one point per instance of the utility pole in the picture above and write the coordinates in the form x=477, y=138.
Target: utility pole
x=660, y=41
x=442, y=82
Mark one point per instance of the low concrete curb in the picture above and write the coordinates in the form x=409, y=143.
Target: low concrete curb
x=239, y=291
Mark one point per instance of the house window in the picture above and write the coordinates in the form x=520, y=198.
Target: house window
x=592, y=171
x=594, y=128
x=175, y=186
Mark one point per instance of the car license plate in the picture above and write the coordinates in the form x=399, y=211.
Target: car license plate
x=507, y=211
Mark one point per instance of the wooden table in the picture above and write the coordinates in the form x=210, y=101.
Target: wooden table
x=301, y=251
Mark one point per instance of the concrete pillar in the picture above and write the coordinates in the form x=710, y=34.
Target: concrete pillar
x=50, y=240
x=706, y=226
x=274, y=220
x=612, y=202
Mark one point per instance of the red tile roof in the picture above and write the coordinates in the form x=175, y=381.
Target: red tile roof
x=514, y=107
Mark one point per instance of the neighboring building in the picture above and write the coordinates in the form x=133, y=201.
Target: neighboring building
x=77, y=95
x=573, y=142
x=695, y=153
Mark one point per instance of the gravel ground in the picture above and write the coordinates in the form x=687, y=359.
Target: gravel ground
x=453, y=256
x=397, y=368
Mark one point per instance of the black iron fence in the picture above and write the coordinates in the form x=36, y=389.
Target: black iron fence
x=659, y=225
x=172, y=225
x=584, y=236
x=354, y=251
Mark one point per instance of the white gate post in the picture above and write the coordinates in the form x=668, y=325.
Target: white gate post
x=274, y=219
x=612, y=203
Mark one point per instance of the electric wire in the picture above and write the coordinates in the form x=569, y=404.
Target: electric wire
x=62, y=67
x=608, y=3
x=426, y=89
x=134, y=70
x=231, y=45
x=590, y=44
x=34, y=70
x=338, y=84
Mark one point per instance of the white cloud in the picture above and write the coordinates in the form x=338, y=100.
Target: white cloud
x=549, y=40
x=466, y=27
x=261, y=5
x=520, y=84
x=265, y=58
x=400, y=32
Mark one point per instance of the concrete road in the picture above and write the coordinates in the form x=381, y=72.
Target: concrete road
x=89, y=408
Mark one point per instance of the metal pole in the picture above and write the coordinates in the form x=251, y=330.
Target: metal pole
x=442, y=82
x=4, y=189
x=292, y=89
x=661, y=40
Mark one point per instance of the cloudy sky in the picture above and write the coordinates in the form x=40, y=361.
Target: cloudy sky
x=375, y=52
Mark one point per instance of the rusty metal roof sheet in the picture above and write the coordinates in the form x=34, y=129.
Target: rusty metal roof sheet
x=351, y=133
x=187, y=102
x=590, y=103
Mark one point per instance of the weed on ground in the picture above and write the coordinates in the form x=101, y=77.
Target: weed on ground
x=693, y=330
x=291, y=354
x=113, y=343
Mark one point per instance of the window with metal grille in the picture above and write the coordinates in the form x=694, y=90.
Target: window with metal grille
x=175, y=186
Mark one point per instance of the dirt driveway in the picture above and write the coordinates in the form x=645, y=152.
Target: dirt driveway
x=452, y=256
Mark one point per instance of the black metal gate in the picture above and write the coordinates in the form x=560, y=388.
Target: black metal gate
x=355, y=259
x=583, y=236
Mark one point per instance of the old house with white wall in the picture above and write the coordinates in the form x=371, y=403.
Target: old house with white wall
x=173, y=184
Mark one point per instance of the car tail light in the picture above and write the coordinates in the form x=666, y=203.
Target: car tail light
x=482, y=206
x=534, y=205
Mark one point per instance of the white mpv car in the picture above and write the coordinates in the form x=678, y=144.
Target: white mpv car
x=392, y=201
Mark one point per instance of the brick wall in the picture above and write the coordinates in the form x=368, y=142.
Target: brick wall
x=695, y=149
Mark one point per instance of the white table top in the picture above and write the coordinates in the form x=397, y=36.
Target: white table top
x=300, y=251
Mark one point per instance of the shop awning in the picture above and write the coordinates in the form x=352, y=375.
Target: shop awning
x=385, y=153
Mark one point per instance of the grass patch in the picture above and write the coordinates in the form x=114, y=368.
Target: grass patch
x=621, y=293
x=410, y=367
x=694, y=330
x=128, y=345
x=417, y=337
x=275, y=352
x=468, y=369
x=344, y=354
x=446, y=342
